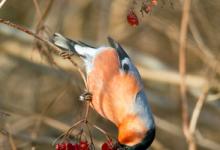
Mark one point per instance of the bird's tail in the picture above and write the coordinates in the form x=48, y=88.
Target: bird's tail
x=64, y=43
x=78, y=48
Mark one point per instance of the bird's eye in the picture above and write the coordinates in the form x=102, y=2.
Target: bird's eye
x=126, y=67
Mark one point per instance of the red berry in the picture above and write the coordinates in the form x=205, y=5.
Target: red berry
x=76, y=147
x=61, y=146
x=66, y=146
x=84, y=145
x=107, y=145
x=57, y=146
x=132, y=18
x=69, y=146
x=154, y=2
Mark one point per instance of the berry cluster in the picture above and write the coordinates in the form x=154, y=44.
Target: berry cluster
x=82, y=145
x=146, y=7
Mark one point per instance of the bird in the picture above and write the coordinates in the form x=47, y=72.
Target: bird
x=117, y=90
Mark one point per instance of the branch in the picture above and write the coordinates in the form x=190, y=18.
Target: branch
x=175, y=130
x=197, y=111
x=182, y=70
x=10, y=138
x=38, y=11
x=45, y=14
x=47, y=42
x=39, y=120
x=8, y=23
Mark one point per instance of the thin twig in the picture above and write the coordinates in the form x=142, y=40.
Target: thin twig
x=203, y=47
x=4, y=132
x=68, y=132
x=174, y=129
x=163, y=25
x=101, y=130
x=36, y=5
x=45, y=14
x=45, y=110
x=41, y=30
x=85, y=121
x=10, y=138
x=53, y=47
x=197, y=111
x=87, y=110
x=3, y=114
x=8, y=23
x=90, y=134
x=182, y=70
x=206, y=143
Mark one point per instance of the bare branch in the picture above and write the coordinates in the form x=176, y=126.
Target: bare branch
x=45, y=14
x=6, y=22
x=182, y=70
x=39, y=119
x=36, y=5
x=10, y=138
x=47, y=42
x=197, y=111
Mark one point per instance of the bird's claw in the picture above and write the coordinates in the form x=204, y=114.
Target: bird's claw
x=86, y=96
x=65, y=55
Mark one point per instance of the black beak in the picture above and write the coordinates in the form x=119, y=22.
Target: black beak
x=146, y=142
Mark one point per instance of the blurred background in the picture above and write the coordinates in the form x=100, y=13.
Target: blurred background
x=39, y=90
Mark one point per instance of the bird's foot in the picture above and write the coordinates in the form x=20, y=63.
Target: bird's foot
x=65, y=54
x=86, y=96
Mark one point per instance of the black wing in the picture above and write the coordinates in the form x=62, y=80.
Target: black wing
x=67, y=44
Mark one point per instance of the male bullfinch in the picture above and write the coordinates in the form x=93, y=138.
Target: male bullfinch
x=117, y=90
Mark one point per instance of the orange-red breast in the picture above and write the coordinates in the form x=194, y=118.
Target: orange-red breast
x=117, y=90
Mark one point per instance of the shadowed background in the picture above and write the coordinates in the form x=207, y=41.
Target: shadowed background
x=34, y=80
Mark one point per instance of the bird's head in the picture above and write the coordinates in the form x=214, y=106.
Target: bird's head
x=137, y=130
